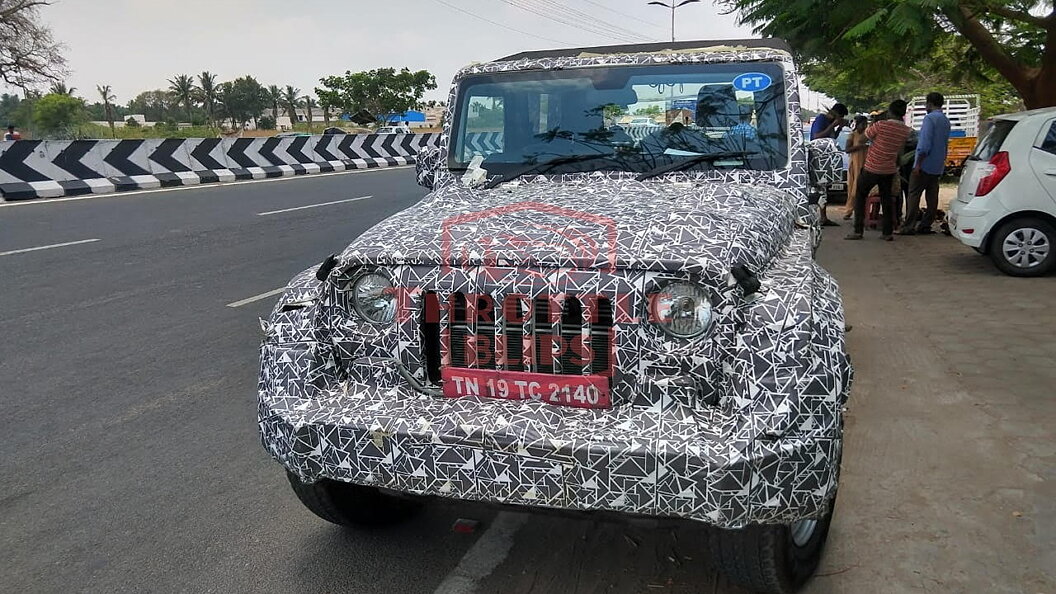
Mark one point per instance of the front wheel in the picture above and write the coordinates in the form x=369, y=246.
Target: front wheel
x=775, y=559
x=347, y=504
x=1024, y=247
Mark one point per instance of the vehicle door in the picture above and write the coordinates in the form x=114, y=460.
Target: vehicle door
x=1043, y=157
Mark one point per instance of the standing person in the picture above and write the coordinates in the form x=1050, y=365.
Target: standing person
x=828, y=125
x=857, y=145
x=12, y=134
x=881, y=165
x=928, y=166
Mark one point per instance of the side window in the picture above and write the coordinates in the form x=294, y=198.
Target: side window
x=485, y=121
x=1049, y=144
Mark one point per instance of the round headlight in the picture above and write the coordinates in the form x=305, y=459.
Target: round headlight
x=374, y=298
x=683, y=310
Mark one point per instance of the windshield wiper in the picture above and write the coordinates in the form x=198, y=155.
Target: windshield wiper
x=690, y=161
x=543, y=166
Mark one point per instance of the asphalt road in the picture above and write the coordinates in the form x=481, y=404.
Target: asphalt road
x=130, y=461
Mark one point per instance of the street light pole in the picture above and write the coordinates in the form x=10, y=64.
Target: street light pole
x=673, y=5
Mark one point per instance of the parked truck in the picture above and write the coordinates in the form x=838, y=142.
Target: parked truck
x=963, y=113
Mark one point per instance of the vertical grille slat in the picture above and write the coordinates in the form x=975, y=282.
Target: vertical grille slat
x=430, y=336
x=571, y=357
x=601, y=336
x=542, y=332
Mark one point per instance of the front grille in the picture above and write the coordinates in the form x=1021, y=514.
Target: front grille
x=541, y=335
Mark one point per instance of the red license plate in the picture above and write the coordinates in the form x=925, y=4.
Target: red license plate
x=580, y=391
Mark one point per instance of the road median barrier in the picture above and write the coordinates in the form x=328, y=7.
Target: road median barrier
x=53, y=168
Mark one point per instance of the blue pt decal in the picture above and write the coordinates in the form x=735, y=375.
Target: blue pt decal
x=752, y=82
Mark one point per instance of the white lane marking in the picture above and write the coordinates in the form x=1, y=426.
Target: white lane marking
x=484, y=556
x=248, y=300
x=47, y=247
x=271, y=212
x=38, y=202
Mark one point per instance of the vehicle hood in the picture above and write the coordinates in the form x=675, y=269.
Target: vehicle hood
x=591, y=222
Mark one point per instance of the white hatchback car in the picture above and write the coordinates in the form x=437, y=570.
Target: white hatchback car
x=1006, y=200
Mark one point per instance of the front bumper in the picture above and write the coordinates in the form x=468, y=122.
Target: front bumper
x=668, y=460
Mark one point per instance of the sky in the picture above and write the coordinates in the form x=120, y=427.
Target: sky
x=137, y=45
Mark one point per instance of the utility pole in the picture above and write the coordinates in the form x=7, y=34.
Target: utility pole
x=673, y=5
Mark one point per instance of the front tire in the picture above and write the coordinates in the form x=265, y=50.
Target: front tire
x=1024, y=247
x=346, y=504
x=776, y=559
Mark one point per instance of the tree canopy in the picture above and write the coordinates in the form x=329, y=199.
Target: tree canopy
x=880, y=40
x=29, y=56
x=56, y=113
x=381, y=91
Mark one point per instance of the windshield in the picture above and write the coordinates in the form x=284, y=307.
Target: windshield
x=639, y=118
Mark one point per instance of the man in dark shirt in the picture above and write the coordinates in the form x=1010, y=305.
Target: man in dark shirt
x=828, y=125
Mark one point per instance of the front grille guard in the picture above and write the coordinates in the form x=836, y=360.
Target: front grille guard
x=565, y=335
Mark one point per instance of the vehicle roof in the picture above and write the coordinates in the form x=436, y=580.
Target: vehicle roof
x=1022, y=115
x=646, y=48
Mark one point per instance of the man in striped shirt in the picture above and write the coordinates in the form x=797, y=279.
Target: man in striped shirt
x=881, y=166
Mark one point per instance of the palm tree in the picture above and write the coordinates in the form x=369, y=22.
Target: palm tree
x=104, y=92
x=58, y=88
x=292, y=99
x=274, y=97
x=309, y=103
x=207, y=82
x=182, y=88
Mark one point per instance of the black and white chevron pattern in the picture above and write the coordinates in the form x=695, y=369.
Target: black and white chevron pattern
x=47, y=169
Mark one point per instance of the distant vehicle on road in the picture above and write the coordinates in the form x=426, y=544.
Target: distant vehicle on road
x=575, y=318
x=642, y=121
x=333, y=130
x=1006, y=199
x=393, y=130
x=291, y=134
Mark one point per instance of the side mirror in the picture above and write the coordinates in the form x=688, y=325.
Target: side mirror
x=427, y=164
x=824, y=162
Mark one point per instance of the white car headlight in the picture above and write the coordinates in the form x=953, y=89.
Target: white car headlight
x=374, y=298
x=683, y=310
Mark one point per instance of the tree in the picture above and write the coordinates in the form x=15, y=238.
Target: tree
x=9, y=107
x=328, y=100
x=104, y=92
x=58, y=113
x=933, y=74
x=274, y=98
x=60, y=88
x=29, y=56
x=650, y=110
x=292, y=100
x=309, y=103
x=183, y=90
x=381, y=92
x=156, y=105
x=207, y=94
x=266, y=122
x=1015, y=38
x=242, y=100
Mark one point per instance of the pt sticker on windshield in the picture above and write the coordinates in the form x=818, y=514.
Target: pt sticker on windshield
x=752, y=82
